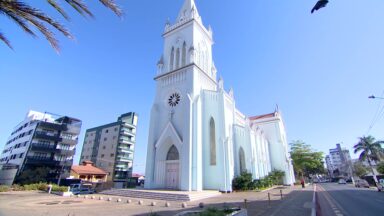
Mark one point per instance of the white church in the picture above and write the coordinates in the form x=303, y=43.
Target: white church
x=198, y=139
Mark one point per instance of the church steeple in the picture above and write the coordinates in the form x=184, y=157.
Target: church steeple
x=188, y=11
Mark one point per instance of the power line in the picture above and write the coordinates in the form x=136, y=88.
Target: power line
x=378, y=115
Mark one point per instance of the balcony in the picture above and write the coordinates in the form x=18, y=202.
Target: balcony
x=126, y=125
x=69, y=141
x=43, y=147
x=42, y=161
x=125, y=149
x=123, y=158
x=127, y=133
x=47, y=136
x=53, y=126
x=126, y=141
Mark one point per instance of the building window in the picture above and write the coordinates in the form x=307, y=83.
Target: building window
x=112, y=155
x=102, y=156
x=105, y=138
x=106, y=131
x=184, y=54
x=172, y=57
x=177, y=58
x=212, y=141
x=243, y=167
x=116, y=129
x=173, y=153
x=104, y=147
x=21, y=155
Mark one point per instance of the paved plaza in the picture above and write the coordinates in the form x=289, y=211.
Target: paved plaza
x=43, y=204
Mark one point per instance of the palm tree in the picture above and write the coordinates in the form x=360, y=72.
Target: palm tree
x=26, y=16
x=371, y=150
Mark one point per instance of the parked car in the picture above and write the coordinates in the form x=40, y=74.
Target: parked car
x=81, y=189
x=380, y=185
x=342, y=181
x=361, y=183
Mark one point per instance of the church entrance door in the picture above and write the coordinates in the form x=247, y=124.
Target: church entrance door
x=172, y=175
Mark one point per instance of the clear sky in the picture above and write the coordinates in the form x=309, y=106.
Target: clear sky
x=319, y=68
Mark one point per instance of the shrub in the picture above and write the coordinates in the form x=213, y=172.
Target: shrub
x=4, y=188
x=17, y=187
x=243, y=182
x=37, y=186
x=58, y=188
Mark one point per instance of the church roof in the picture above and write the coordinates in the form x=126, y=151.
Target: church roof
x=269, y=115
x=188, y=11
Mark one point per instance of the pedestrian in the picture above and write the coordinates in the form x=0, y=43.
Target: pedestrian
x=302, y=183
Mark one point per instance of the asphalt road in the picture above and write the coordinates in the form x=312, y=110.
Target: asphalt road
x=346, y=200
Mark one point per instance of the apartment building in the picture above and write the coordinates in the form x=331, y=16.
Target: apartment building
x=42, y=140
x=339, y=162
x=111, y=148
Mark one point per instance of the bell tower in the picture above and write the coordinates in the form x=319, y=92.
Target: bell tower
x=184, y=69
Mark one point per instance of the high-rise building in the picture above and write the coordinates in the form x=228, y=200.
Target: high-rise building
x=339, y=162
x=42, y=141
x=111, y=148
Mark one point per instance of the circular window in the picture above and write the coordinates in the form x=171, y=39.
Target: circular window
x=174, y=99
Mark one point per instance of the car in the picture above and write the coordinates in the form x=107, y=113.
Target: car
x=342, y=181
x=380, y=185
x=361, y=183
x=81, y=189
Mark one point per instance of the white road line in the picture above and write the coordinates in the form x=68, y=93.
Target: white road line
x=313, y=212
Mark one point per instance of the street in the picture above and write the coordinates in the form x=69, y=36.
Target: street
x=337, y=199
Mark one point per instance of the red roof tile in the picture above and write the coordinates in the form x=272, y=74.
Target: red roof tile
x=88, y=168
x=269, y=115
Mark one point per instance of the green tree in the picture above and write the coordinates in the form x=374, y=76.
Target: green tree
x=360, y=170
x=31, y=176
x=306, y=161
x=380, y=167
x=370, y=150
x=26, y=16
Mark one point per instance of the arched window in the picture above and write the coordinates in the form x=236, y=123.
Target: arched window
x=243, y=167
x=184, y=54
x=212, y=141
x=171, y=60
x=177, y=58
x=173, y=154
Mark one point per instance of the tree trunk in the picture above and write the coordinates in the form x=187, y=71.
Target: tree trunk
x=373, y=172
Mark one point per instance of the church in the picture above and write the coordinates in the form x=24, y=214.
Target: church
x=198, y=139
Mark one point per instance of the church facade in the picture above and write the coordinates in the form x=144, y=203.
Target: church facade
x=198, y=139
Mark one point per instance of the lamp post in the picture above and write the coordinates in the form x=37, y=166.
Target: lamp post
x=374, y=97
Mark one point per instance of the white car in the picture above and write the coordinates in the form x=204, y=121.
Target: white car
x=342, y=181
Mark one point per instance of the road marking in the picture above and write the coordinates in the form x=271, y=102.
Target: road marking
x=313, y=212
x=328, y=197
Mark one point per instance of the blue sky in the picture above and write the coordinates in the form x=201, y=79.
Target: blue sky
x=319, y=68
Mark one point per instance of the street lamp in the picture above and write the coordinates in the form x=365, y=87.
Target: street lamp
x=374, y=97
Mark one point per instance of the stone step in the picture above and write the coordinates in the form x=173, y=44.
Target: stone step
x=164, y=195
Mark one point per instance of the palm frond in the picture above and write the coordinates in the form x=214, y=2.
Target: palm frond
x=55, y=5
x=5, y=40
x=113, y=6
x=21, y=22
x=80, y=7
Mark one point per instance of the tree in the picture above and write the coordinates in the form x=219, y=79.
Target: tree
x=26, y=16
x=380, y=167
x=305, y=160
x=30, y=176
x=370, y=150
x=359, y=169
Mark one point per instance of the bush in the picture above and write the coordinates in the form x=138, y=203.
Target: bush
x=17, y=187
x=243, y=182
x=38, y=186
x=4, y=188
x=58, y=188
